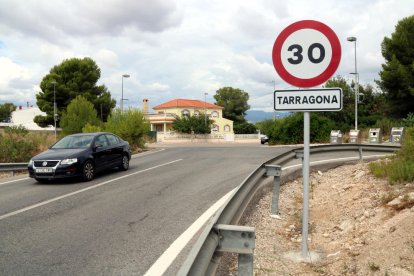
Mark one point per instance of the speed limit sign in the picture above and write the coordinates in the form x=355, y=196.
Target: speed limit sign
x=306, y=53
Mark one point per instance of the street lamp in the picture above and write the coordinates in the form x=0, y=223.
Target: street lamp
x=354, y=39
x=122, y=92
x=54, y=105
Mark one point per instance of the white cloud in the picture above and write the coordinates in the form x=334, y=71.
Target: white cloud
x=10, y=71
x=182, y=48
x=107, y=58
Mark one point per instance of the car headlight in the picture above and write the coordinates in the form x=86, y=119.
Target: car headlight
x=69, y=161
x=30, y=162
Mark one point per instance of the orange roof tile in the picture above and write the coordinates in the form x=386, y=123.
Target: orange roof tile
x=188, y=104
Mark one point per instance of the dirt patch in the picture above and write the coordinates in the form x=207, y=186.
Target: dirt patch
x=358, y=225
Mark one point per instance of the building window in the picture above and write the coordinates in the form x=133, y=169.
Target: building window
x=226, y=128
x=185, y=113
x=214, y=114
x=214, y=128
x=196, y=113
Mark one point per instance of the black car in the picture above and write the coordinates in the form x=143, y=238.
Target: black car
x=81, y=155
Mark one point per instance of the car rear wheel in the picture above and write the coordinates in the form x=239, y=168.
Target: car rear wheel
x=88, y=172
x=125, y=163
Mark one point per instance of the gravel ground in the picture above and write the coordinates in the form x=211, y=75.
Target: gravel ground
x=358, y=225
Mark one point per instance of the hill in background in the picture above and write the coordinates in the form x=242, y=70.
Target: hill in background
x=254, y=116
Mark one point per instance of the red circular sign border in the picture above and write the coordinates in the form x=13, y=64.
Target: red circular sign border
x=325, y=75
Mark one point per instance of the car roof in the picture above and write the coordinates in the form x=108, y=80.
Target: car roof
x=90, y=133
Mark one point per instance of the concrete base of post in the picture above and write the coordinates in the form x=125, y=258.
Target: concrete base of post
x=297, y=257
x=276, y=217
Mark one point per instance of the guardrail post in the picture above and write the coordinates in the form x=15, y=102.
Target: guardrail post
x=276, y=172
x=238, y=239
x=299, y=154
x=245, y=266
x=360, y=152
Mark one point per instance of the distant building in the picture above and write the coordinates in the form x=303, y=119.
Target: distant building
x=24, y=117
x=165, y=114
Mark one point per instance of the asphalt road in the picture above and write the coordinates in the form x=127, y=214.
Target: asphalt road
x=121, y=222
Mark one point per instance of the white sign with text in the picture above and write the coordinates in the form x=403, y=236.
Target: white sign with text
x=324, y=99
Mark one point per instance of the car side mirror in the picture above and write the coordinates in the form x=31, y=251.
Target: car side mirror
x=97, y=146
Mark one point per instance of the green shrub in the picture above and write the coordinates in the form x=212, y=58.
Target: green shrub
x=78, y=113
x=401, y=171
x=192, y=124
x=379, y=169
x=265, y=126
x=401, y=167
x=130, y=125
x=409, y=121
x=18, y=130
x=244, y=128
x=407, y=147
x=91, y=128
x=289, y=130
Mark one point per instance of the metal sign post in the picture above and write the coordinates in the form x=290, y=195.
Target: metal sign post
x=306, y=54
x=305, y=172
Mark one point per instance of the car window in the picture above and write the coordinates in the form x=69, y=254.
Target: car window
x=101, y=140
x=113, y=140
x=74, y=142
x=83, y=141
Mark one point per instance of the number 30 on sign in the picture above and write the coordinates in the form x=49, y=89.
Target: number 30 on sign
x=306, y=53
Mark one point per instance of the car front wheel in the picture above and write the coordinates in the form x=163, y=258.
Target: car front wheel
x=88, y=172
x=125, y=163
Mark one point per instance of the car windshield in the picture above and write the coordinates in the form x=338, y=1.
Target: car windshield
x=74, y=142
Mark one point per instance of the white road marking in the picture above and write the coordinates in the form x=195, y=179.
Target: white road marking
x=169, y=255
x=16, y=180
x=137, y=155
x=81, y=191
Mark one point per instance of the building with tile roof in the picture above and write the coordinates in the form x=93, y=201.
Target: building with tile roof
x=165, y=114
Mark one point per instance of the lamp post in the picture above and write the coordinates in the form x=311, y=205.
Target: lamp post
x=54, y=105
x=354, y=39
x=122, y=91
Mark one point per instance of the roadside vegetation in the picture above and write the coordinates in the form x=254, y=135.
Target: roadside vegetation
x=17, y=144
x=399, y=168
x=192, y=124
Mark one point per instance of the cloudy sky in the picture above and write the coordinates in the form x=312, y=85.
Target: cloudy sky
x=182, y=48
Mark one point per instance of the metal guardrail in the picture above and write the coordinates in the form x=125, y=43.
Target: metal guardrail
x=12, y=167
x=204, y=258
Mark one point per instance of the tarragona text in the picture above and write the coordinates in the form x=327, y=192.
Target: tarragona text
x=328, y=99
